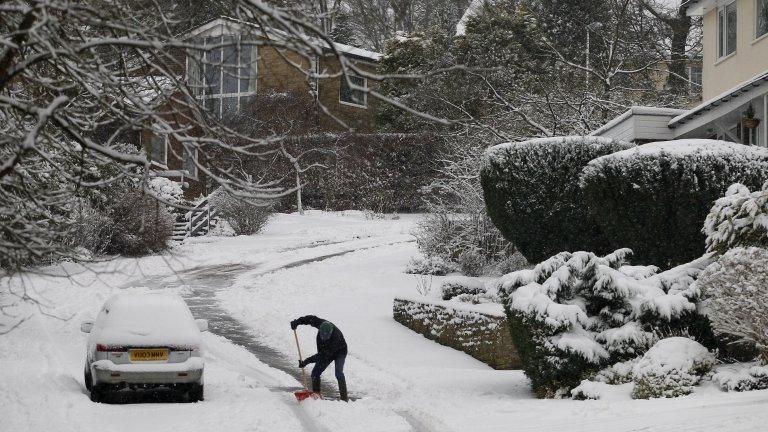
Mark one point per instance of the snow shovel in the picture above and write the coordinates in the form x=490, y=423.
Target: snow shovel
x=306, y=393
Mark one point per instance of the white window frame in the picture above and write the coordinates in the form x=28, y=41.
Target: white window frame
x=342, y=81
x=254, y=64
x=722, y=31
x=185, y=150
x=152, y=160
x=757, y=17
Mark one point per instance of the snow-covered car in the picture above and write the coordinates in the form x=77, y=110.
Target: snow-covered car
x=144, y=340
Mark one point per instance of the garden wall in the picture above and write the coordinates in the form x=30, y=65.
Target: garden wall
x=483, y=334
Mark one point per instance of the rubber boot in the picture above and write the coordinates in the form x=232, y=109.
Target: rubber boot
x=343, y=390
x=316, y=385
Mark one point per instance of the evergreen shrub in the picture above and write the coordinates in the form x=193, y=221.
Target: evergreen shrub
x=655, y=198
x=575, y=314
x=532, y=193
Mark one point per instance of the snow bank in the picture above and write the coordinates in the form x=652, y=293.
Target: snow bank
x=599, y=390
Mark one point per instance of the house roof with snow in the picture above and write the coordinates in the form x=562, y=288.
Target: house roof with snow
x=640, y=123
x=699, y=7
x=234, y=25
x=735, y=94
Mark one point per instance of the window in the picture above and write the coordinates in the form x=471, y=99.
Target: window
x=349, y=95
x=224, y=76
x=189, y=164
x=695, y=76
x=726, y=30
x=159, y=150
x=761, y=25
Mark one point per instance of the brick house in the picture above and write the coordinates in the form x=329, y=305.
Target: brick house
x=236, y=66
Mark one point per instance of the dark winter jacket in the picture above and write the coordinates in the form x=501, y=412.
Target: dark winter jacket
x=327, y=349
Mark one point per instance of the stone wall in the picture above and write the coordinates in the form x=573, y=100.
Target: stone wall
x=481, y=334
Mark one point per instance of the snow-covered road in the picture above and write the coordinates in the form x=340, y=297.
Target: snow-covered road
x=341, y=267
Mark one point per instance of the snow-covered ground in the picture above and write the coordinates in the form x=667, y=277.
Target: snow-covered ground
x=342, y=267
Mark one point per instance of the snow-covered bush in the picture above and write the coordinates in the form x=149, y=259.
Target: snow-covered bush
x=654, y=198
x=469, y=290
x=671, y=368
x=435, y=266
x=142, y=225
x=735, y=293
x=245, y=216
x=457, y=228
x=91, y=229
x=741, y=377
x=618, y=373
x=577, y=313
x=532, y=193
x=166, y=190
x=740, y=218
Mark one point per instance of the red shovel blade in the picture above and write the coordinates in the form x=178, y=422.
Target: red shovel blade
x=306, y=394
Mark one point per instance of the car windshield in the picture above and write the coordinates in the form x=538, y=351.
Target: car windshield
x=147, y=319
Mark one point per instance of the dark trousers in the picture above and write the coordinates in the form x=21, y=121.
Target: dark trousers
x=322, y=364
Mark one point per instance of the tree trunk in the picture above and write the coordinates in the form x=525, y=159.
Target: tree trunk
x=678, y=67
x=299, y=205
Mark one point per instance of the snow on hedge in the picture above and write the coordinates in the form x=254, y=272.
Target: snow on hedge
x=654, y=198
x=687, y=147
x=671, y=368
x=576, y=313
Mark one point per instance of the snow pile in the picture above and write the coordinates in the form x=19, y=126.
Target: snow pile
x=742, y=377
x=599, y=390
x=576, y=313
x=671, y=368
x=740, y=218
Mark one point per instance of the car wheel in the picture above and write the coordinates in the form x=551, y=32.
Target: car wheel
x=97, y=394
x=195, y=392
x=87, y=378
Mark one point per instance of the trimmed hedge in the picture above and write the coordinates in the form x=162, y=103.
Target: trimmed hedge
x=532, y=194
x=654, y=199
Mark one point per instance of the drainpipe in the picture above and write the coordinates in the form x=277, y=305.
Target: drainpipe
x=765, y=121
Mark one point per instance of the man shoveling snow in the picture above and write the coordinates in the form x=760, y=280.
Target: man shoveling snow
x=331, y=347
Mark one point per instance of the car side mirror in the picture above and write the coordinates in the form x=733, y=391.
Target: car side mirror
x=86, y=326
x=202, y=324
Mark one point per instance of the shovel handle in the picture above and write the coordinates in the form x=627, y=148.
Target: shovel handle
x=298, y=348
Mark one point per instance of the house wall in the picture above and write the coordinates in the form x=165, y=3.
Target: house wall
x=359, y=118
x=749, y=60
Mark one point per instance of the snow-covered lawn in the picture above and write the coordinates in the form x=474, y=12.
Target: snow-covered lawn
x=400, y=380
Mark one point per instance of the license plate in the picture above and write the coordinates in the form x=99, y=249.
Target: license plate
x=140, y=355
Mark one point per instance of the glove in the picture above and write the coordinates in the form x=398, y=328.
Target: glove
x=294, y=324
x=302, y=364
